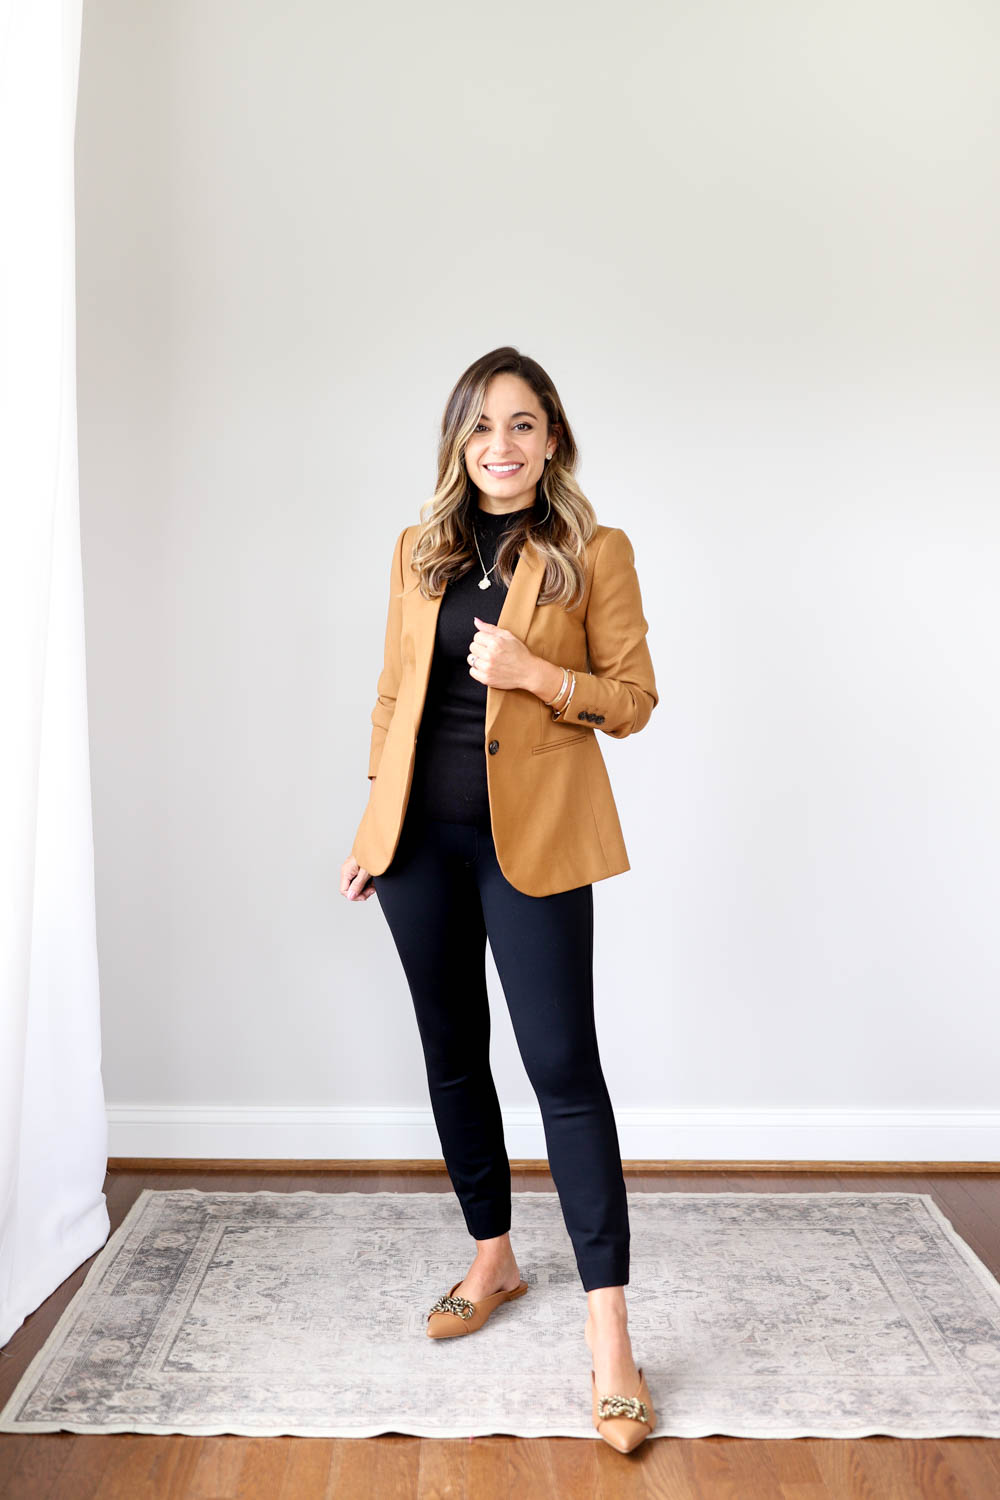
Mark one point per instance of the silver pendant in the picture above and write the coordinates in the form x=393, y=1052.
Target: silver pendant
x=484, y=583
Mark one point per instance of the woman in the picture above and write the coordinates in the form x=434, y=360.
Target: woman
x=515, y=631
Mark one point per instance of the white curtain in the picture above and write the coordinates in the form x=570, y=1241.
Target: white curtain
x=53, y=1130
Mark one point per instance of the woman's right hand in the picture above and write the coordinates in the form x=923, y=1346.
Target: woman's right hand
x=355, y=881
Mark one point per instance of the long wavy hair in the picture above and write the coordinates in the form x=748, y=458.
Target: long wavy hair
x=444, y=549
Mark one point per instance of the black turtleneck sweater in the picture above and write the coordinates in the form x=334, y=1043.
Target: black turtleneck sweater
x=449, y=769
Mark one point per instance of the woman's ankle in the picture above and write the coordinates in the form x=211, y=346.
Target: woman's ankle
x=607, y=1308
x=497, y=1251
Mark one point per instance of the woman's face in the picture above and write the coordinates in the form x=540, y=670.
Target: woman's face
x=505, y=456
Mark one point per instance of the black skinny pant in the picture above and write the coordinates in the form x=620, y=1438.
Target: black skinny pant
x=443, y=895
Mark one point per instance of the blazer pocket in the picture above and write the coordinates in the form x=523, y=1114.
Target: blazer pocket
x=574, y=737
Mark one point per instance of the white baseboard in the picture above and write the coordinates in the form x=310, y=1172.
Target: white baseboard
x=321, y=1133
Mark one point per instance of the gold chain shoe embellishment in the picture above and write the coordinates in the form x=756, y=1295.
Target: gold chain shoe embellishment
x=461, y=1306
x=622, y=1406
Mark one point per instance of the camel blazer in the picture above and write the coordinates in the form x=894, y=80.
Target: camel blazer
x=553, y=816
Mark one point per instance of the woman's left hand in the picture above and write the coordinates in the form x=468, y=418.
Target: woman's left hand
x=501, y=660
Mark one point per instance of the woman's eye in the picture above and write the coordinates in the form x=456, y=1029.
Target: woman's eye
x=516, y=424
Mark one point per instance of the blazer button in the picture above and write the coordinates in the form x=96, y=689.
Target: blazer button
x=582, y=714
x=600, y=719
x=494, y=746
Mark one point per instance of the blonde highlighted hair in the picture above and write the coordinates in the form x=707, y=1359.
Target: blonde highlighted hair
x=444, y=549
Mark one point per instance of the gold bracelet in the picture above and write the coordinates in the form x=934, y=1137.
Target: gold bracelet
x=558, y=712
x=562, y=688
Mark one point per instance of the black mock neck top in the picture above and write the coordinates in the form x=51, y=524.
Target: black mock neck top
x=449, y=770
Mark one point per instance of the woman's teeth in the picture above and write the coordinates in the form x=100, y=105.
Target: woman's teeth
x=502, y=468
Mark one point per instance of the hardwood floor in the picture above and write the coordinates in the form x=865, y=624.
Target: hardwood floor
x=137, y=1466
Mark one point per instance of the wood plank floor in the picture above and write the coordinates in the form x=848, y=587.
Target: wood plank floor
x=140, y=1466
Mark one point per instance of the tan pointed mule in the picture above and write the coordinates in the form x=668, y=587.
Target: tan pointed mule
x=451, y=1315
x=624, y=1421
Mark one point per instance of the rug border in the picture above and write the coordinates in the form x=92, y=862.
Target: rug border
x=70, y=1314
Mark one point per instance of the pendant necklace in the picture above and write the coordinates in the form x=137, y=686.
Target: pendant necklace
x=484, y=582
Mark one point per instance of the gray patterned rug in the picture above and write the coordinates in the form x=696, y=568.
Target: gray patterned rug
x=754, y=1315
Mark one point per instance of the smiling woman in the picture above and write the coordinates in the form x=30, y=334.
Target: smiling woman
x=515, y=626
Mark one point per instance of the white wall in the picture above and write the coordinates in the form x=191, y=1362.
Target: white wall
x=756, y=247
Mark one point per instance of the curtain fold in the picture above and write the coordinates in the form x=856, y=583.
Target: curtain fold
x=53, y=1127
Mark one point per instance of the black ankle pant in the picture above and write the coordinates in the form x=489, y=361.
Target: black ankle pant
x=443, y=895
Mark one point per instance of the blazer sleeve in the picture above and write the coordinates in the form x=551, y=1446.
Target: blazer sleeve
x=388, y=681
x=619, y=694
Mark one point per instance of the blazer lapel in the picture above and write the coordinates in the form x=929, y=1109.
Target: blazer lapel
x=516, y=614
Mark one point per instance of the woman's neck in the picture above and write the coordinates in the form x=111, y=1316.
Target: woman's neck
x=516, y=510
